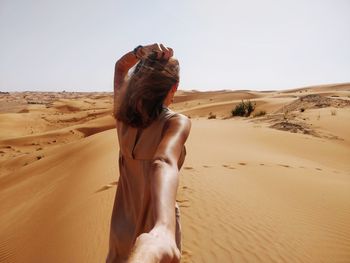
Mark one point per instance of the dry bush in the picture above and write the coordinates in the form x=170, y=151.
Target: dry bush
x=243, y=109
x=259, y=113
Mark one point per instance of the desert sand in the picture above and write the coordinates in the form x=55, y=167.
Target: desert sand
x=270, y=188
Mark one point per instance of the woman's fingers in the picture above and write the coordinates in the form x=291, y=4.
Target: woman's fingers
x=163, y=48
x=166, y=52
x=149, y=49
x=171, y=51
x=161, y=52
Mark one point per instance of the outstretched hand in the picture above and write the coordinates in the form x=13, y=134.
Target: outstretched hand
x=157, y=246
x=160, y=51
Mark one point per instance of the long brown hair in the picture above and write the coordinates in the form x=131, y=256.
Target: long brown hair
x=141, y=100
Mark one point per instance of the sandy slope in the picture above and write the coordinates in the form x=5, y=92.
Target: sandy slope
x=248, y=193
x=260, y=195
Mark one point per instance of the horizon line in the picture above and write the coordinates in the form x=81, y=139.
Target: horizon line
x=323, y=85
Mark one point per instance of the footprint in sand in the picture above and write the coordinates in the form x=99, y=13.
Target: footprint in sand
x=107, y=186
x=228, y=166
x=284, y=165
x=206, y=166
x=319, y=169
x=188, y=168
x=186, y=255
x=187, y=189
x=183, y=203
x=242, y=163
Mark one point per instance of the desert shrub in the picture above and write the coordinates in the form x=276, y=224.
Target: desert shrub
x=244, y=108
x=333, y=112
x=302, y=110
x=239, y=110
x=250, y=107
x=260, y=113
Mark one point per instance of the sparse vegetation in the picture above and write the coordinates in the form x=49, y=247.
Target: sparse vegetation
x=243, y=109
x=302, y=109
x=333, y=112
x=292, y=127
x=315, y=101
x=35, y=102
x=259, y=113
x=239, y=110
x=285, y=115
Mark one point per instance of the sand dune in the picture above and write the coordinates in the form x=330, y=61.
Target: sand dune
x=275, y=188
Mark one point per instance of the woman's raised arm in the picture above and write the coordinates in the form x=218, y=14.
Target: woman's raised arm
x=122, y=67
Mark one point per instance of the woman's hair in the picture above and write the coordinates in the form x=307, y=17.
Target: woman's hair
x=142, y=98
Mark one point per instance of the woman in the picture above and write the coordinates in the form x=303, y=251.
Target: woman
x=145, y=224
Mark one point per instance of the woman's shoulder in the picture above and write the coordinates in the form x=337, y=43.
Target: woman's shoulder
x=178, y=121
x=176, y=116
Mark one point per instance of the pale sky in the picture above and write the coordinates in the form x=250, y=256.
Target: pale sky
x=72, y=45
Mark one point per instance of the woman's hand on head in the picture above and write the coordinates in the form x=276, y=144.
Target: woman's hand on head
x=160, y=51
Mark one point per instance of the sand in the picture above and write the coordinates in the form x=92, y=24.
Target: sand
x=274, y=188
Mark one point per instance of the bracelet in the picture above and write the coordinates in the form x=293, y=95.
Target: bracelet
x=136, y=49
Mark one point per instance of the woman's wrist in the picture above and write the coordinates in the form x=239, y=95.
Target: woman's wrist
x=125, y=63
x=163, y=230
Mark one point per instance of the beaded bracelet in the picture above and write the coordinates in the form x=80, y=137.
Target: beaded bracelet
x=136, y=49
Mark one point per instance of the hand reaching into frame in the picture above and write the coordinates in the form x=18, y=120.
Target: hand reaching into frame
x=157, y=246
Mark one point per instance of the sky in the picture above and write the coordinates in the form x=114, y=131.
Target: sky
x=73, y=45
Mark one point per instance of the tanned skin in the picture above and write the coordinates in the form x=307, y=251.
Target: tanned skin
x=158, y=245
